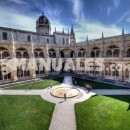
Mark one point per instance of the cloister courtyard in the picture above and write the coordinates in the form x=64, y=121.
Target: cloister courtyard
x=31, y=105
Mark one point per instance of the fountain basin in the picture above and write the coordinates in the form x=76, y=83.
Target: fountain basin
x=70, y=92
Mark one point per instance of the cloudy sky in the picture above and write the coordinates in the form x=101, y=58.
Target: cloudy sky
x=89, y=17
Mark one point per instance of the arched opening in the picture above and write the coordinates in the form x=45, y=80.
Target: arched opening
x=52, y=53
x=62, y=54
x=22, y=53
x=28, y=38
x=4, y=53
x=23, y=72
x=38, y=53
x=116, y=53
x=81, y=53
x=92, y=54
x=47, y=40
x=40, y=70
x=109, y=53
x=95, y=52
x=72, y=54
x=113, y=51
x=5, y=36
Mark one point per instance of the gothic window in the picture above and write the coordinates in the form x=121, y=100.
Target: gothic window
x=28, y=38
x=62, y=54
x=5, y=37
x=4, y=53
x=22, y=53
x=116, y=53
x=47, y=40
x=113, y=51
x=38, y=53
x=72, y=54
x=95, y=52
x=109, y=53
x=52, y=53
x=92, y=54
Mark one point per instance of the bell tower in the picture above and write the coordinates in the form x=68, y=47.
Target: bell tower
x=43, y=25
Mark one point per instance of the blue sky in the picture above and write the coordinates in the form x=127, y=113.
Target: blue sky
x=89, y=17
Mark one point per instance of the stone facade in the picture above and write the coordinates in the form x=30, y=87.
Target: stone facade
x=19, y=44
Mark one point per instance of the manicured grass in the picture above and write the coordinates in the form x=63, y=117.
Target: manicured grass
x=40, y=84
x=25, y=113
x=104, y=113
x=96, y=85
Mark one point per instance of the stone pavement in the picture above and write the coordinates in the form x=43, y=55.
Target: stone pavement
x=64, y=114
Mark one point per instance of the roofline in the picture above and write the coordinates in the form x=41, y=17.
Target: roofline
x=25, y=31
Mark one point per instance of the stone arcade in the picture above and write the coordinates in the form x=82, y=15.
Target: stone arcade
x=16, y=44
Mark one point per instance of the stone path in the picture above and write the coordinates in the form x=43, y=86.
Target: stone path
x=64, y=114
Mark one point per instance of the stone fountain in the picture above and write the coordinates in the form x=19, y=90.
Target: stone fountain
x=67, y=87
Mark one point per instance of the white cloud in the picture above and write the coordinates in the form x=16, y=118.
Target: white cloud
x=12, y=19
x=18, y=1
x=109, y=9
x=125, y=16
x=116, y=3
x=93, y=29
x=77, y=10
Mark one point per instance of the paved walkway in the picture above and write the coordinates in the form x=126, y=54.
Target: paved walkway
x=64, y=114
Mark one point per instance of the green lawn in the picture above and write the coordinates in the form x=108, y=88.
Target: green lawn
x=40, y=84
x=25, y=113
x=96, y=85
x=104, y=113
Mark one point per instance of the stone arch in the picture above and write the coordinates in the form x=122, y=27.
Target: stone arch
x=95, y=52
x=112, y=51
x=72, y=54
x=81, y=52
x=21, y=53
x=4, y=53
x=52, y=53
x=62, y=54
x=38, y=53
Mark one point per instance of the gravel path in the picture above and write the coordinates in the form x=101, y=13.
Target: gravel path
x=64, y=114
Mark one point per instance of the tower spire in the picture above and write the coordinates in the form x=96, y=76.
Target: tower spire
x=72, y=30
x=102, y=35
x=87, y=38
x=123, y=32
x=62, y=30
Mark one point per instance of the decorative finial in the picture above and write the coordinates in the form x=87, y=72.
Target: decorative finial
x=68, y=31
x=62, y=30
x=87, y=38
x=55, y=29
x=102, y=35
x=72, y=30
x=123, y=32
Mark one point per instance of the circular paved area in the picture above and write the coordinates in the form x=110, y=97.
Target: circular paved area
x=64, y=113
